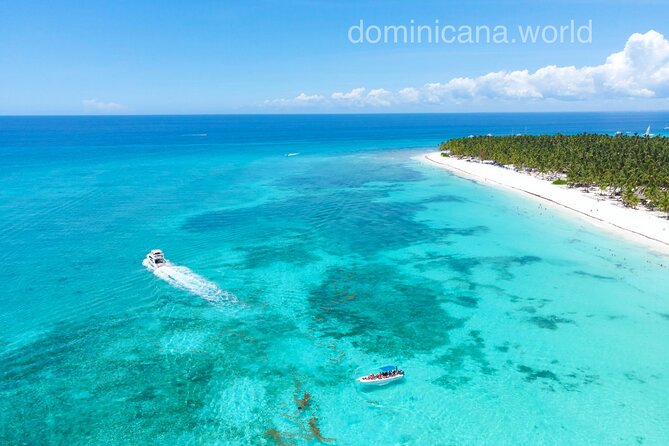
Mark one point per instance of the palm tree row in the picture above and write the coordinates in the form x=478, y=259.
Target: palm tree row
x=634, y=168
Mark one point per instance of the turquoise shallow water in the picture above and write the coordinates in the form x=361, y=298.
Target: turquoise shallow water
x=515, y=324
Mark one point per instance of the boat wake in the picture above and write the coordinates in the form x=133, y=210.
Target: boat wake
x=184, y=279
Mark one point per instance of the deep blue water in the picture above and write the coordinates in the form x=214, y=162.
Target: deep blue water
x=515, y=324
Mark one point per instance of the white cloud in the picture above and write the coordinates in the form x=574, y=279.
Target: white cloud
x=640, y=70
x=300, y=99
x=303, y=98
x=95, y=106
x=380, y=97
x=354, y=96
x=409, y=94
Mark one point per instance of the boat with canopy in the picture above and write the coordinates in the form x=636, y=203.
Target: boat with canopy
x=387, y=374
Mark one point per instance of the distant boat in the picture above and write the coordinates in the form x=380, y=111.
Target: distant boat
x=293, y=154
x=648, y=134
x=618, y=133
x=666, y=127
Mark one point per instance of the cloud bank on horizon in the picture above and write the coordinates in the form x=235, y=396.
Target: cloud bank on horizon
x=640, y=70
x=95, y=106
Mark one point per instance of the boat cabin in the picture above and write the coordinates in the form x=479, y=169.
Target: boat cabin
x=156, y=257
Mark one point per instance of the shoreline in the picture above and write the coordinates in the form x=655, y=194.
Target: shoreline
x=637, y=225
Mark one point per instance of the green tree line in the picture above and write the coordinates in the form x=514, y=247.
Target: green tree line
x=634, y=168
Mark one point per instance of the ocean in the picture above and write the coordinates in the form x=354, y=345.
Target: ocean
x=515, y=324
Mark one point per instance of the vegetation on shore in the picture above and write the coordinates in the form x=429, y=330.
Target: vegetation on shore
x=634, y=169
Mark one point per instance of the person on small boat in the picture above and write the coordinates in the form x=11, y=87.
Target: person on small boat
x=383, y=375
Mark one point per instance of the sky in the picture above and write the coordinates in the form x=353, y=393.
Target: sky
x=299, y=56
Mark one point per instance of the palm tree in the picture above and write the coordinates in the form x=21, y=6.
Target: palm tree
x=630, y=166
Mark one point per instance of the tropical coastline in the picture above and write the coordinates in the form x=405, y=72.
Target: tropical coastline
x=638, y=225
x=285, y=285
x=222, y=224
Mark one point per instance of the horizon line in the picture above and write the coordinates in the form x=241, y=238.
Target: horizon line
x=129, y=115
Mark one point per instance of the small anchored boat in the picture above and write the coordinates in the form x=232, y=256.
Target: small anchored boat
x=154, y=260
x=387, y=375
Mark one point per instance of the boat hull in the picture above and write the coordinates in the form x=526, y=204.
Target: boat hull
x=379, y=382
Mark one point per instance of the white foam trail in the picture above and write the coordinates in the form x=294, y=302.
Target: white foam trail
x=185, y=279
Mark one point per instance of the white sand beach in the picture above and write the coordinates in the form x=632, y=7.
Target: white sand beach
x=637, y=225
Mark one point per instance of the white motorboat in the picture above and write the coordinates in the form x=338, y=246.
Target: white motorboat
x=387, y=375
x=154, y=260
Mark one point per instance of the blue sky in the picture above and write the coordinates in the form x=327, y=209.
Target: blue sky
x=141, y=57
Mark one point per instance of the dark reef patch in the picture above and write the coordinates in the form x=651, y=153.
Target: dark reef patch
x=462, y=360
x=355, y=221
x=532, y=374
x=352, y=212
x=434, y=260
x=632, y=376
x=552, y=381
x=463, y=301
x=528, y=309
x=445, y=198
x=550, y=322
x=373, y=306
x=464, y=266
x=349, y=173
x=117, y=376
x=304, y=420
x=593, y=276
x=295, y=252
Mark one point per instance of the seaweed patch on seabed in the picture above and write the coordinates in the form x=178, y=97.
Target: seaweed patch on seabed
x=632, y=376
x=306, y=426
x=549, y=322
x=260, y=256
x=461, y=265
x=328, y=175
x=459, y=359
x=465, y=265
x=351, y=221
x=463, y=301
x=503, y=264
x=444, y=198
x=569, y=382
x=373, y=305
x=593, y=276
x=126, y=370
